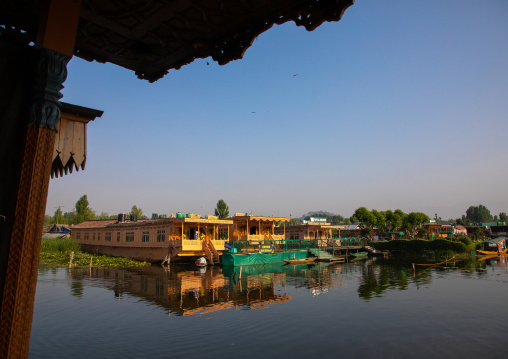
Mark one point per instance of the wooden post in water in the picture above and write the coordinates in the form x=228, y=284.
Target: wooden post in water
x=414, y=270
x=70, y=261
x=91, y=261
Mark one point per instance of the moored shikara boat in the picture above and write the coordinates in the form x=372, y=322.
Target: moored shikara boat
x=300, y=261
x=494, y=246
x=492, y=253
x=360, y=254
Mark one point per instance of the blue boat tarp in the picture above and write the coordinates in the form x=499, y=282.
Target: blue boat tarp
x=231, y=259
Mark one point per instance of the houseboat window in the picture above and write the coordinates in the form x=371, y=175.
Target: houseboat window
x=108, y=236
x=146, y=236
x=161, y=234
x=87, y=236
x=99, y=236
x=118, y=236
x=129, y=237
x=78, y=235
x=93, y=236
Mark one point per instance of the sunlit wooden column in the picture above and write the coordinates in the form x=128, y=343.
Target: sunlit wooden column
x=36, y=118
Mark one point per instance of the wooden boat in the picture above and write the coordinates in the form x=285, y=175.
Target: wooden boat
x=488, y=257
x=492, y=253
x=201, y=263
x=300, y=261
x=360, y=254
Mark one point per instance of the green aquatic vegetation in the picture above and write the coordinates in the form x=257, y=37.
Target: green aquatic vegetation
x=60, y=245
x=441, y=247
x=55, y=252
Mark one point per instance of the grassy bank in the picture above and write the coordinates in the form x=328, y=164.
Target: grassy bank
x=58, y=251
x=424, y=247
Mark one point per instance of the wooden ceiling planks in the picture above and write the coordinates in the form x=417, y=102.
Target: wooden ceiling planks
x=154, y=37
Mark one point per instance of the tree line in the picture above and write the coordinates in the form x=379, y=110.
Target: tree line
x=83, y=212
x=384, y=221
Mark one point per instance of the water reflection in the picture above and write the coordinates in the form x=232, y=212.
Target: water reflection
x=372, y=307
x=186, y=290
x=386, y=276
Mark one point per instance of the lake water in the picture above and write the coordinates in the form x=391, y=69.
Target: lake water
x=372, y=308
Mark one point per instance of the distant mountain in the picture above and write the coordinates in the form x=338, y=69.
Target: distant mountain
x=317, y=213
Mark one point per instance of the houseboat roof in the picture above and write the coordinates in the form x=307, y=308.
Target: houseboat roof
x=93, y=224
x=353, y=226
x=259, y=218
x=495, y=240
x=146, y=222
x=320, y=225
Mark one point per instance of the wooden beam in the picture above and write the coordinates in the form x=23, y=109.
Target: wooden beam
x=58, y=26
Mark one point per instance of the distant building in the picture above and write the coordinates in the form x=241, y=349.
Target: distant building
x=154, y=240
x=499, y=229
x=459, y=231
x=244, y=227
x=308, y=230
x=57, y=231
x=445, y=230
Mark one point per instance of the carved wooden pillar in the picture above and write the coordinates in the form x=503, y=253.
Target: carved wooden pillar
x=30, y=82
x=26, y=217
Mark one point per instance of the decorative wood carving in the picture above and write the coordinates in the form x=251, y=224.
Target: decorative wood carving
x=50, y=75
x=69, y=152
x=153, y=37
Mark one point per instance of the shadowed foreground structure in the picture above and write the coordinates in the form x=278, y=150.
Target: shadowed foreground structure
x=37, y=40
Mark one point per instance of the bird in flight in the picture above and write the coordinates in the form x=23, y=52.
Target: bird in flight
x=295, y=75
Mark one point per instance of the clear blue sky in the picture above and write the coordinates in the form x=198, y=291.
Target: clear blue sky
x=401, y=104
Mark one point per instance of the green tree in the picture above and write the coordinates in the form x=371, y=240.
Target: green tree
x=398, y=218
x=503, y=217
x=380, y=218
x=367, y=232
x=464, y=221
x=414, y=221
x=365, y=216
x=83, y=211
x=478, y=214
x=138, y=212
x=294, y=222
x=155, y=216
x=48, y=220
x=423, y=233
x=70, y=217
x=59, y=218
x=104, y=216
x=222, y=209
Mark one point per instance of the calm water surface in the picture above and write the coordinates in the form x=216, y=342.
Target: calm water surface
x=374, y=308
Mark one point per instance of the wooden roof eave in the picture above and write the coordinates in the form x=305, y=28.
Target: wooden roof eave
x=151, y=38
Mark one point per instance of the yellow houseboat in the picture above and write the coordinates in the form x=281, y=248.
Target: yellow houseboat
x=184, y=238
x=253, y=229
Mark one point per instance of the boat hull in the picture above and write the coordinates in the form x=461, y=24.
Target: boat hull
x=233, y=259
x=300, y=261
x=492, y=253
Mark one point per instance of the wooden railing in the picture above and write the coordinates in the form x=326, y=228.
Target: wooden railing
x=195, y=244
x=192, y=245
x=260, y=237
x=219, y=244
